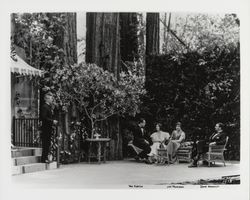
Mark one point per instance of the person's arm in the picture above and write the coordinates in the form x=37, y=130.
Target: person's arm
x=210, y=138
x=172, y=136
x=167, y=138
x=182, y=138
x=221, y=140
x=152, y=138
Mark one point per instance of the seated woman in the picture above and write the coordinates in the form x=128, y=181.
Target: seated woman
x=158, y=138
x=177, y=137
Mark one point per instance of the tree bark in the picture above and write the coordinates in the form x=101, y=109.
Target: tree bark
x=103, y=41
x=103, y=49
x=129, y=39
x=152, y=40
x=70, y=39
x=152, y=33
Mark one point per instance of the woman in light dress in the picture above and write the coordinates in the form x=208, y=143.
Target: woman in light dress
x=177, y=137
x=158, y=138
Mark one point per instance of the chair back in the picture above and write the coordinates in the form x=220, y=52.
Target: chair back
x=226, y=142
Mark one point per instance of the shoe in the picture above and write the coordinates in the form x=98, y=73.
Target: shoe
x=148, y=161
x=192, y=165
x=174, y=159
x=137, y=158
x=204, y=162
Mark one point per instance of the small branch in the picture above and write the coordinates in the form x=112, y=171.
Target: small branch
x=173, y=33
x=109, y=115
x=86, y=111
x=92, y=110
x=125, y=64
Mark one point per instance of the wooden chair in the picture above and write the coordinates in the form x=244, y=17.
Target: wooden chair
x=215, y=154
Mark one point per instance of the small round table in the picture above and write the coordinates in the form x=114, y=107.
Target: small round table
x=99, y=143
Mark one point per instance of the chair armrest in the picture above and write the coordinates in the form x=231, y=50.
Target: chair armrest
x=217, y=148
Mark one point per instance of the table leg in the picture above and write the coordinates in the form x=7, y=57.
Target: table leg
x=89, y=152
x=104, y=152
x=99, y=152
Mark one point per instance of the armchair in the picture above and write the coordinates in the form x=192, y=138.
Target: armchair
x=216, y=153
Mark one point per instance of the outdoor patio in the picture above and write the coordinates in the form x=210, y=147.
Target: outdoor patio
x=122, y=174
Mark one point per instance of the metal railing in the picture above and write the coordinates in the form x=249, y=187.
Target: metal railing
x=55, y=146
x=26, y=132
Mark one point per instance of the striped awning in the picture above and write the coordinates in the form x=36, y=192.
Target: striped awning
x=21, y=67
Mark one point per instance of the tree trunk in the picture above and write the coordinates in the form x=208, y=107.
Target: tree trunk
x=70, y=39
x=152, y=33
x=129, y=39
x=103, y=41
x=152, y=39
x=67, y=40
x=103, y=48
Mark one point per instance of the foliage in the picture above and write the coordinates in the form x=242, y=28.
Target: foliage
x=74, y=152
x=201, y=32
x=97, y=93
x=197, y=90
x=38, y=34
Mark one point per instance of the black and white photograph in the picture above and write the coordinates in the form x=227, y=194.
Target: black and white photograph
x=126, y=100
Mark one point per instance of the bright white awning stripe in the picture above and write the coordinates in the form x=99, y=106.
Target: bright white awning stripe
x=21, y=67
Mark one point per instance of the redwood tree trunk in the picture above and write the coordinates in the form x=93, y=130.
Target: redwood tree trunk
x=152, y=33
x=103, y=48
x=129, y=39
x=103, y=41
x=152, y=39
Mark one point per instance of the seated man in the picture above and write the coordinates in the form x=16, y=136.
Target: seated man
x=202, y=146
x=141, y=139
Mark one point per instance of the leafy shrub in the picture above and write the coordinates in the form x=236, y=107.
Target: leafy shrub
x=199, y=90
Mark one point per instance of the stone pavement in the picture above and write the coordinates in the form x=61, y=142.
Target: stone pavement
x=121, y=174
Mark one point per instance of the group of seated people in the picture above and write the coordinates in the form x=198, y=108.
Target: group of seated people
x=162, y=140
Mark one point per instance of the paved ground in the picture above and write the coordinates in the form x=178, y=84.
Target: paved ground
x=120, y=174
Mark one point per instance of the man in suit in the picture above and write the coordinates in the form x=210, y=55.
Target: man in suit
x=202, y=146
x=47, y=123
x=141, y=139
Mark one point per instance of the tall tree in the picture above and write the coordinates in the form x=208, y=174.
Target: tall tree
x=129, y=40
x=103, y=49
x=152, y=41
x=152, y=33
x=103, y=41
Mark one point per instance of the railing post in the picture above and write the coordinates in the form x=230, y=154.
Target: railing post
x=58, y=147
x=14, y=130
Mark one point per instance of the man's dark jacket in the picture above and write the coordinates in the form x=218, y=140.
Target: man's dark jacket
x=219, y=138
x=46, y=118
x=139, y=136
